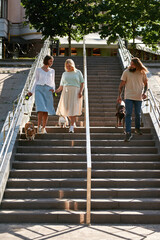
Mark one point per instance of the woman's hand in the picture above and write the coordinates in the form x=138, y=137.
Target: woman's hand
x=51, y=90
x=29, y=94
x=80, y=94
x=59, y=89
x=81, y=90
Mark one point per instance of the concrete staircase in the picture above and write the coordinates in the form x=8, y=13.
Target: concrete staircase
x=47, y=181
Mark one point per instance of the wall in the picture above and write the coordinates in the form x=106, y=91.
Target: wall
x=15, y=11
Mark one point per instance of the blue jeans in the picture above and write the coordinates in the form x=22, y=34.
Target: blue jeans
x=129, y=107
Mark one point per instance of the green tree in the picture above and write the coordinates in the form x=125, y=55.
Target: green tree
x=130, y=19
x=72, y=18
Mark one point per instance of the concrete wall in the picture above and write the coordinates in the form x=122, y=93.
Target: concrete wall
x=16, y=12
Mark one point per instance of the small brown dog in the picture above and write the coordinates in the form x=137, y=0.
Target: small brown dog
x=30, y=131
x=120, y=114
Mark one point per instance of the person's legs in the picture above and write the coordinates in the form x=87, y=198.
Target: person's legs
x=72, y=122
x=128, y=119
x=40, y=114
x=44, y=120
x=137, y=106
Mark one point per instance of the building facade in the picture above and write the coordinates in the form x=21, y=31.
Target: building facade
x=15, y=37
x=17, y=40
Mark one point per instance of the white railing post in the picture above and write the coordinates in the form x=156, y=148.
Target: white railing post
x=88, y=144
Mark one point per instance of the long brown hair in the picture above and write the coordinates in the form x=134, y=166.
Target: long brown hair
x=139, y=65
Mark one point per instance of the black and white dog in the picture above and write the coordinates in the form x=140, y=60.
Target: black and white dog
x=120, y=114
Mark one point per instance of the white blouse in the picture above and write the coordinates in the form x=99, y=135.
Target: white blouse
x=44, y=78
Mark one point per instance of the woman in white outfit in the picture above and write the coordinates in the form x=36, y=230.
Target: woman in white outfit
x=43, y=87
x=71, y=85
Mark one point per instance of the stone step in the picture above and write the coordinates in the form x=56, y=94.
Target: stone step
x=93, y=91
x=82, y=157
x=81, y=149
x=103, y=123
x=97, y=118
x=110, y=216
x=77, y=192
x=95, y=136
x=80, y=204
x=110, y=75
x=40, y=203
x=57, y=193
x=64, y=142
x=102, y=88
x=53, y=121
x=94, y=114
x=121, y=204
x=107, y=86
x=42, y=216
x=109, y=72
x=103, y=66
x=121, y=185
x=81, y=173
x=102, y=105
x=136, y=217
x=83, y=165
x=93, y=130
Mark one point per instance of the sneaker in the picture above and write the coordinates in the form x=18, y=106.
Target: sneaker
x=43, y=130
x=71, y=129
x=39, y=129
x=138, y=131
x=128, y=137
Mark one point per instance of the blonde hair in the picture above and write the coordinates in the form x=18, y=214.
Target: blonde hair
x=139, y=65
x=71, y=63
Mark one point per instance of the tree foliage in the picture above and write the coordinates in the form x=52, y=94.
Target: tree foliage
x=130, y=19
x=75, y=18
x=71, y=18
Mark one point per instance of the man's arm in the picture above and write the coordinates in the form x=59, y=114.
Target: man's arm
x=121, y=88
x=145, y=89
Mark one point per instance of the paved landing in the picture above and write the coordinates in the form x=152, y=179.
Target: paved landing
x=79, y=232
x=12, y=80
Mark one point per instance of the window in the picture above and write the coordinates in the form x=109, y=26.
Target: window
x=73, y=51
x=62, y=52
x=96, y=52
x=4, y=9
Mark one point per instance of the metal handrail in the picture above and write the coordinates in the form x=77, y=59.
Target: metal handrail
x=124, y=54
x=88, y=143
x=150, y=106
x=16, y=115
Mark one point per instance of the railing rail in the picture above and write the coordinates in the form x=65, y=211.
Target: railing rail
x=88, y=144
x=15, y=118
x=150, y=104
x=124, y=54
